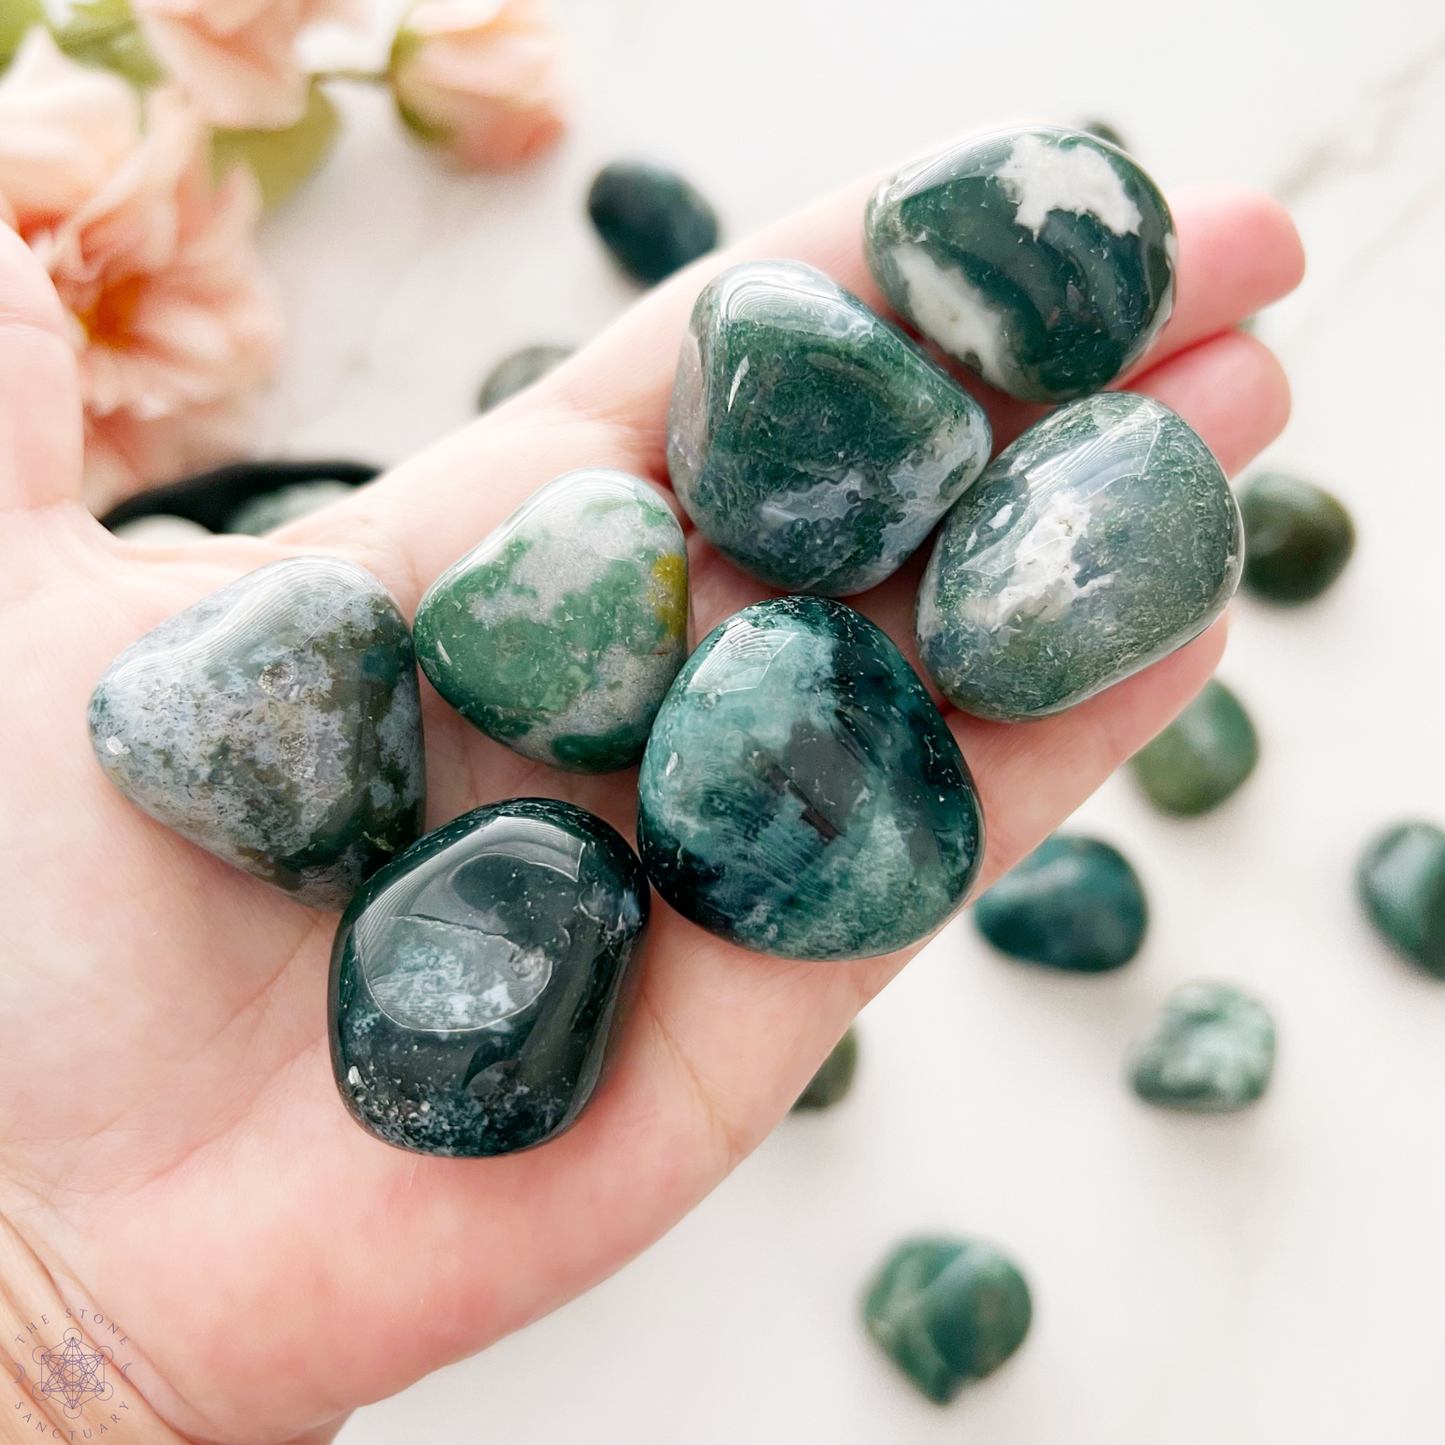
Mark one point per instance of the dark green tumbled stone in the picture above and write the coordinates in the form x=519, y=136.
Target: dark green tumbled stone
x=1211, y=1051
x=1202, y=757
x=947, y=1311
x=1402, y=886
x=1297, y=538
x=475, y=982
x=800, y=794
x=1103, y=539
x=831, y=1083
x=813, y=444
x=1042, y=257
x=1073, y=903
x=277, y=724
x=518, y=371
x=652, y=220
x=286, y=504
x=1105, y=132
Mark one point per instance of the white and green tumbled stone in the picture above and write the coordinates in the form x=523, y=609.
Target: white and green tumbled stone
x=277, y=724
x=813, y=444
x=1102, y=540
x=559, y=634
x=1042, y=257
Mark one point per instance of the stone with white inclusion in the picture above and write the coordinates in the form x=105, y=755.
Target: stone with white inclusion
x=1042, y=257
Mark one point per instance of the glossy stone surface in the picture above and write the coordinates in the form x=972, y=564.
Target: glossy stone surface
x=1042, y=257
x=277, y=724
x=1202, y=757
x=274, y=509
x=1402, y=886
x=947, y=1311
x=831, y=1083
x=652, y=220
x=559, y=634
x=1073, y=903
x=1298, y=538
x=1211, y=1051
x=800, y=794
x=475, y=982
x=518, y=371
x=1103, y=539
x=813, y=444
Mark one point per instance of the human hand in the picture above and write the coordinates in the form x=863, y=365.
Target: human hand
x=175, y=1152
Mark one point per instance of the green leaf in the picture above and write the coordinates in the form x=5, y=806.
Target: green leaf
x=17, y=18
x=103, y=33
x=281, y=159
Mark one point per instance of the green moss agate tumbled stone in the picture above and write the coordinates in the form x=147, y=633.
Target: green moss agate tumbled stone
x=277, y=724
x=286, y=504
x=1103, y=539
x=1073, y=903
x=1041, y=257
x=559, y=634
x=1297, y=538
x=517, y=371
x=1211, y=1051
x=800, y=794
x=476, y=980
x=831, y=1083
x=1202, y=757
x=651, y=219
x=813, y=444
x=947, y=1311
x=1402, y=886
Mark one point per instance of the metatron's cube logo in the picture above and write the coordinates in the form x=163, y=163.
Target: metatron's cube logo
x=73, y=1372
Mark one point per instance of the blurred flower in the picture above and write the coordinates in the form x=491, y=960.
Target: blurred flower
x=480, y=78
x=173, y=320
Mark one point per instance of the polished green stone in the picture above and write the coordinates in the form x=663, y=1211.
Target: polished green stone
x=651, y=219
x=1073, y=903
x=800, y=794
x=1103, y=539
x=559, y=634
x=277, y=724
x=831, y=1083
x=1211, y=1051
x=1202, y=757
x=813, y=444
x=1297, y=538
x=517, y=371
x=1402, y=886
x=476, y=981
x=274, y=509
x=947, y=1311
x=1042, y=257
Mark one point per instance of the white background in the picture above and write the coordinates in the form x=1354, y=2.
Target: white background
x=1275, y=1277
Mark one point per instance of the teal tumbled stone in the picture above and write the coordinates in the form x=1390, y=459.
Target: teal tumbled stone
x=1042, y=257
x=1297, y=538
x=1203, y=757
x=277, y=724
x=814, y=445
x=947, y=1311
x=559, y=634
x=517, y=371
x=834, y=1078
x=477, y=980
x=1103, y=539
x=651, y=219
x=1402, y=886
x=1211, y=1051
x=1073, y=904
x=800, y=794
x=286, y=504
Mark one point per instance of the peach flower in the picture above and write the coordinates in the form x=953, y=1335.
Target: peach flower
x=237, y=58
x=482, y=78
x=174, y=322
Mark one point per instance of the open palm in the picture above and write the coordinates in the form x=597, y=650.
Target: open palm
x=174, y=1151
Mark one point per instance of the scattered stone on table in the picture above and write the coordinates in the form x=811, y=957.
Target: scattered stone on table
x=1103, y=539
x=162, y=530
x=1202, y=757
x=812, y=443
x=1297, y=538
x=477, y=980
x=1211, y=1051
x=800, y=794
x=652, y=220
x=1042, y=257
x=286, y=504
x=277, y=724
x=560, y=632
x=830, y=1085
x=1074, y=903
x=947, y=1311
x=1105, y=132
x=517, y=371
x=1402, y=886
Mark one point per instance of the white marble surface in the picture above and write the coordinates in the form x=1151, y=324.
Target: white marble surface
x=1274, y=1277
